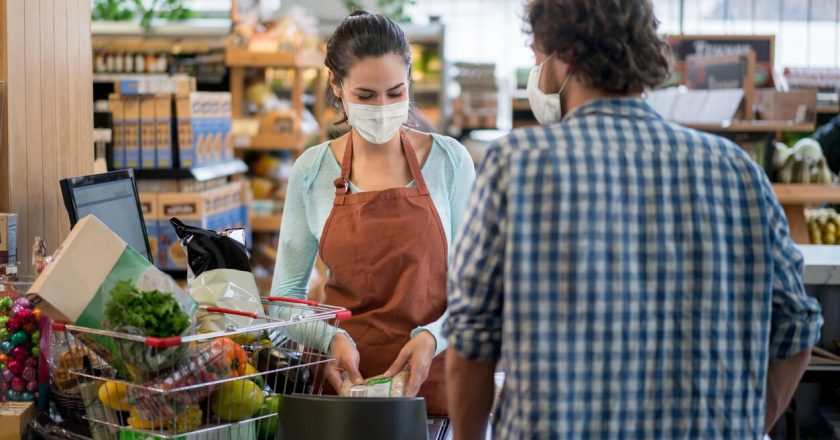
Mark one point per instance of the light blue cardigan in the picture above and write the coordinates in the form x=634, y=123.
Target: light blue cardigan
x=449, y=173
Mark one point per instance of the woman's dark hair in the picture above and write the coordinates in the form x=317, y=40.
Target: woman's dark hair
x=611, y=44
x=359, y=36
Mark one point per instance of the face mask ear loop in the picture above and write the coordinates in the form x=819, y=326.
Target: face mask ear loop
x=563, y=87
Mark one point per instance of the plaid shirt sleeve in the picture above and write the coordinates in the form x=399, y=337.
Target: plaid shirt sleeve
x=796, y=318
x=474, y=327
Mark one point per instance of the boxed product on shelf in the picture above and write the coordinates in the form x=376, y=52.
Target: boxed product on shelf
x=148, y=129
x=151, y=85
x=131, y=108
x=203, y=127
x=8, y=239
x=151, y=216
x=163, y=120
x=118, y=133
x=190, y=208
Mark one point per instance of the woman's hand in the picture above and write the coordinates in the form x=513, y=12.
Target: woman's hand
x=345, y=361
x=418, y=354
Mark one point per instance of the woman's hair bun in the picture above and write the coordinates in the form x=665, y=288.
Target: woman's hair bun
x=359, y=13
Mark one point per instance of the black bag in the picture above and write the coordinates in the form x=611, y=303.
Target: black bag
x=208, y=250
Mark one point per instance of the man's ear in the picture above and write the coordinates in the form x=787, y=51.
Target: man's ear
x=334, y=85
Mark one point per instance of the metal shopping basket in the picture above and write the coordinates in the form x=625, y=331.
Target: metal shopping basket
x=225, y=385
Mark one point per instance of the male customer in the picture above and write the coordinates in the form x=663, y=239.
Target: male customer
x=636, y=279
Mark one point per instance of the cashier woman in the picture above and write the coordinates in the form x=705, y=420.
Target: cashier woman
x=379, y=205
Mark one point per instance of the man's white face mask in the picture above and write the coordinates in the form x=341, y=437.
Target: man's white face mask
x=548, y=109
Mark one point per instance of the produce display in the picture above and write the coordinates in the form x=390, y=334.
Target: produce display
x=20, y=352
x=804, y=163
x=823, y=226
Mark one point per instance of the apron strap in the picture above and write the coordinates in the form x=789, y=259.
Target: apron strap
x=342, y=184
x=413, y=165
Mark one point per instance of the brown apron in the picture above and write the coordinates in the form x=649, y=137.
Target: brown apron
x=387, y=257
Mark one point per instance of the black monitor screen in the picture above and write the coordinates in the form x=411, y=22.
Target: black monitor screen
x=112, y=198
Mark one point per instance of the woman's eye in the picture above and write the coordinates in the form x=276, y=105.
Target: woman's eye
x=395, y=95
x=365, y=98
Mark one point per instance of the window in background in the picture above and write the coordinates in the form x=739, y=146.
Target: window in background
x=807, y=31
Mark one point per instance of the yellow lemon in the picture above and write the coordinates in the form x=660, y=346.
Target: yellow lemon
x=114, y=395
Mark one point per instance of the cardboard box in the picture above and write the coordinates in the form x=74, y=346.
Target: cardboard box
x=15, y=418
x=190, y=208
x=151, y=216
x=8, y=239
x=118, y=125
x=148, y=132
x=163, y=134
x=187, y=110
x=131, y=105
x=75, y=287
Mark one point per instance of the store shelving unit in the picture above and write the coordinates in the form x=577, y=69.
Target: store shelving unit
x=265, y=223
x=270, y=142
x=755, y=127
x=239, y=60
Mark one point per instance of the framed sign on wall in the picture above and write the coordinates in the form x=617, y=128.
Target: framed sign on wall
x=763, y=46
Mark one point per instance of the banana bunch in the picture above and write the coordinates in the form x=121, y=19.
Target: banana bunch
x=824, y=226
x=804, y=163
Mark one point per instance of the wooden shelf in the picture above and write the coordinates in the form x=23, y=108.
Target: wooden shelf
x=794, y=198
x=754, y=127
x=236, y=57
x=265, y=223
x=828, y=109
x=800, y=194
x=270, y=142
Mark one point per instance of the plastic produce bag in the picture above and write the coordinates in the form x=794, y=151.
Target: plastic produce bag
x=219, y=275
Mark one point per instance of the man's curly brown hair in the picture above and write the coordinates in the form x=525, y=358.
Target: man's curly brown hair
x=612, y=45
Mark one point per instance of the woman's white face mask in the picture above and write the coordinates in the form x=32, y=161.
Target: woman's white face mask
x=547, y=108
x=377, y=123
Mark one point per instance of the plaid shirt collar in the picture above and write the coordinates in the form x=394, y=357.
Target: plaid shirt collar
x=620, y=107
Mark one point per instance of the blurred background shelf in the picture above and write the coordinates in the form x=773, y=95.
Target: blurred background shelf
x=754, y=127
x=201, y=174
x=266, y=223
x=802, y=194
x=269, y=142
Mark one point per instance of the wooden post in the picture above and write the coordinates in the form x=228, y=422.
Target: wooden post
x=237, y=87
x=47, y=120
x=798, y=224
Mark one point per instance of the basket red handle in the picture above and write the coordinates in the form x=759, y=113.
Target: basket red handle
x=230, y=312
x=293, y=300
x=163, y=343
x=340, y=315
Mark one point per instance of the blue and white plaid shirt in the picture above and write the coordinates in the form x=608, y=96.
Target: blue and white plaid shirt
x=633, y=276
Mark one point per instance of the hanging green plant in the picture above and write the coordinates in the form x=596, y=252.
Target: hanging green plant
x=391, y=8
x=147, y=10
x=112, y=10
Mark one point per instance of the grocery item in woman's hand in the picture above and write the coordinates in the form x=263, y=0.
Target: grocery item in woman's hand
x=378, y=386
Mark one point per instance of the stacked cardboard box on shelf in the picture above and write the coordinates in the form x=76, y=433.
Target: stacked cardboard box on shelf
x=204, y=122
x=166, y=124
x=218, y=208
